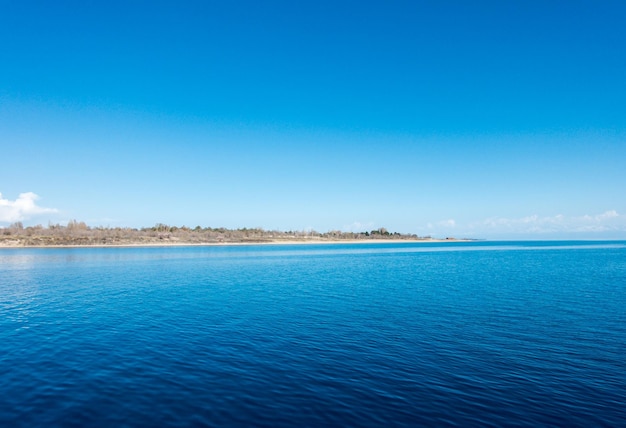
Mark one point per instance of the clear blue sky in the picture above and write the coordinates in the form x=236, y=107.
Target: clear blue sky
x=483, y=119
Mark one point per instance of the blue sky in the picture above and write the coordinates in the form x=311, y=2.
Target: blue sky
x=478, y=119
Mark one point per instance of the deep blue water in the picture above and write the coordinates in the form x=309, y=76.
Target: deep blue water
x=452, y=334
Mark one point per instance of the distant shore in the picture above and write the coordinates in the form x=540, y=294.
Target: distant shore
x=78, y=234
x=16, y=244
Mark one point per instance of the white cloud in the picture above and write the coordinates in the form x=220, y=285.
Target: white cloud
x=442, y=224
x=357, y=227
x=608, y=221
x=447, y=223
x=439, y=228
x=23, y=208
x=607, y=215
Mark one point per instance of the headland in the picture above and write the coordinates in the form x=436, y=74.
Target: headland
x=78, y=234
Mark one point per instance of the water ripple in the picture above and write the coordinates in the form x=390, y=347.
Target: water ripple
x=470, y=334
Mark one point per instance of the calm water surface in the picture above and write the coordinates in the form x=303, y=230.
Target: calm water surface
x=453, y=334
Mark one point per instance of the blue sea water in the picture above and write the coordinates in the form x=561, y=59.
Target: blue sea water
x=450, y=334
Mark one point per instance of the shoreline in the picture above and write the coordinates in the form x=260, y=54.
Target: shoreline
x=238, y=244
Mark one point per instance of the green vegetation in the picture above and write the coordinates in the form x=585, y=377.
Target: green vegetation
x=78, y=233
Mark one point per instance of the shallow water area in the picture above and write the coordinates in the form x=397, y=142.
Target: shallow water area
x=446, y=334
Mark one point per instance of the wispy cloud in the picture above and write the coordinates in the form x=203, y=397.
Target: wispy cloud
x=23, y=208
x=357, y=227
x=440, y=228
x=442, y=224
x=447, y=223
x=605, y=222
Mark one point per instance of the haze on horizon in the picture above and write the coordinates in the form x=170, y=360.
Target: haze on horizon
x=487, y=119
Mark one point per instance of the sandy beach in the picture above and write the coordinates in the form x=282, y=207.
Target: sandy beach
x=17, y=244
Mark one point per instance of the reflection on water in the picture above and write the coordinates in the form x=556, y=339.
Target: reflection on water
x=25, y=258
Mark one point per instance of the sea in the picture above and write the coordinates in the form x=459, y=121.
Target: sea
x=484, y=334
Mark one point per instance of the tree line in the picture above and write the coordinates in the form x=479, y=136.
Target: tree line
x=79, y=233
